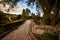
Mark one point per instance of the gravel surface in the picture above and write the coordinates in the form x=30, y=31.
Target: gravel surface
x=19, y=34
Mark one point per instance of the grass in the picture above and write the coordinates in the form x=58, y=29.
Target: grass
x=45, y=36
x=30, y=30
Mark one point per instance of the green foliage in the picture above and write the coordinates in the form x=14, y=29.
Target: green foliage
x=45, y=36
x=18, y=17
x=48, y=21
x=25, y=13
x=42, y=22
x=33, y=15
x=37, y=21
x=47, y=6
x=7, y=18
x=30, y=28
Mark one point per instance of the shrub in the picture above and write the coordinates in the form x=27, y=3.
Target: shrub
x=45, y=36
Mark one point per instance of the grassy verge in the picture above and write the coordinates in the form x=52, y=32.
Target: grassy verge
x=30, y=28
x=30, y=32
x=45, y=36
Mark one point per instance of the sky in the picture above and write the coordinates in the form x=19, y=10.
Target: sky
x=24, y=6
x=18, y=8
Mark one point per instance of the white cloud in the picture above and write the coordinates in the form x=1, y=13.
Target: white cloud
x=4, y=8
x=16, y=10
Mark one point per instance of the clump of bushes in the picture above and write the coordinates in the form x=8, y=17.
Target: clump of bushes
x=41, y=22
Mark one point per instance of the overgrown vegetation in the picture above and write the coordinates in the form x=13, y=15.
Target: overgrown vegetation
x=51, y=16
x=30, y=28
x=7, y=18
x=45, y=36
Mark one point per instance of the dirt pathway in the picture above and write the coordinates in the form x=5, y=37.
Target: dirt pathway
x=19, y=34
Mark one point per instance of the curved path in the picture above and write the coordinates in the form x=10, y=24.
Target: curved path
x=19, y=34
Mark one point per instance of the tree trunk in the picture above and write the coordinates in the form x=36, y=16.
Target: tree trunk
x=47, y=11
x=56, y=11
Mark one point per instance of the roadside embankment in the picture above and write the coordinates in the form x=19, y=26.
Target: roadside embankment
x=43, y=32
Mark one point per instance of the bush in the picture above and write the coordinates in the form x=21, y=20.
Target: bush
x=42, y=22
x=37, y=21
x=45, y=36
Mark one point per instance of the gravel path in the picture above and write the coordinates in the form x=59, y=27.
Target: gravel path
x=19, y=34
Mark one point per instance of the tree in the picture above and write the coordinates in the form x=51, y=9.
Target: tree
x=47, y=6
x=25, y=13
x=56, y=12
x=18, y=17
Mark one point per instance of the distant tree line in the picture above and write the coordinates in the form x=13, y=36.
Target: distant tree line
x=47, y=7
x=7, y=18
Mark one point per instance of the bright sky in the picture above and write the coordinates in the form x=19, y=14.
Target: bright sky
x=23, y=5
x=18, y=9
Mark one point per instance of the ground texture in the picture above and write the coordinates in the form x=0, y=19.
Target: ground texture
x=19, y=34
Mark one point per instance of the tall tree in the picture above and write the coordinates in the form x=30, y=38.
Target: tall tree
x=47, y=6
x=25, y=13
x=56, y=12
